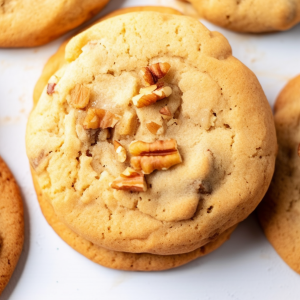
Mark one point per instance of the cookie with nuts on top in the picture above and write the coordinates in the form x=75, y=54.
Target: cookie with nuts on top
x=195, y=163
x=279, y=212
x=28, y=23
x=100, y=255
x=250, y=15
x=11, y=224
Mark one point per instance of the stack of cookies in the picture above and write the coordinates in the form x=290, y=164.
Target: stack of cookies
x=142, y=152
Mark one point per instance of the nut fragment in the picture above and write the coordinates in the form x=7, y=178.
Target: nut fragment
x=159, y=70
x=80, y=96
x=103, y=135
x=154, y=72
x=153, y=127
x=120, y=151
x=99, y=118
x=50, y=88
x=128, y=123
x=166, y=114
x=130, y=180
x=150, y=95
x=159, y=155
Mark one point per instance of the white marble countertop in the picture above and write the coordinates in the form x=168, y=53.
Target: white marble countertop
x=246, y=267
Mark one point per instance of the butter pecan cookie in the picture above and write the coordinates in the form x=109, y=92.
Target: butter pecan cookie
x=11, y=224
x=27, y=23
x=143, y=142
x=250, y=15
x=100, y=255
x=279, y=212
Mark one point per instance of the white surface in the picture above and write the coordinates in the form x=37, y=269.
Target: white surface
x=246, y=267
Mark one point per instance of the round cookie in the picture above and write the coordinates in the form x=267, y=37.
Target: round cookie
x=27, y=23
x=227, y=159
x=100, y=255
x=279, y=212
x=11, y=224
x=249, y=15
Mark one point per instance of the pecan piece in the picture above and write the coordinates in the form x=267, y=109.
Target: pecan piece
x=128, y=123
x=166, y=114
x=100, y=118
x=154, y=72
x=130, y=180
x=150, y=95
x=50, y=88
x=153, y=127
x=80, y=96
x=120, y=151
x=159, y=155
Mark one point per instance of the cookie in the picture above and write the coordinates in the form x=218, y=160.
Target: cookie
x=28, y=24
x=249, y=15
x=100, y=255
x=200, y=164
x=11, y=224
x=279, y=212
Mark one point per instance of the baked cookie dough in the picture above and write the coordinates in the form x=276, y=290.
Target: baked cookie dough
x=11, y=224
x=27, y=23
x=122, y=260
x=100, y=255
x=279, y=212
x=250, y=15
x=57, y=60
x=213, y=162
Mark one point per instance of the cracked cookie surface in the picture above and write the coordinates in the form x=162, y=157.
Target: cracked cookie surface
x=25, y=23
x=100, y=255
x=11, y=224
x=227, y=159
x=279, y=212
x=250, y=15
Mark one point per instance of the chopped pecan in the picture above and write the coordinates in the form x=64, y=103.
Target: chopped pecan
x=50, y=88
x=80, y=96
x=159, y=155
x=153, y=127
x=154, y=72
x=120, y=151
x=130, y=180
x=159, y=70
x=103, y=135
x=150, y=95
x=166, y=114
x=128, y=123
x=100, y=118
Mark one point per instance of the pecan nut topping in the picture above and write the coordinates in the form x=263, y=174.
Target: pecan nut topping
x=120, y=151
x=100, y=118
x=150, y=95
x=130, y=180
x=80, y=96
x=159, y=155
x=165, y=112
x=153, y=127
x=154, y=72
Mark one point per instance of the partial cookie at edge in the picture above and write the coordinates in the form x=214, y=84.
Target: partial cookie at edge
x=279, y=212
x=250, y=16
x=11, y=224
